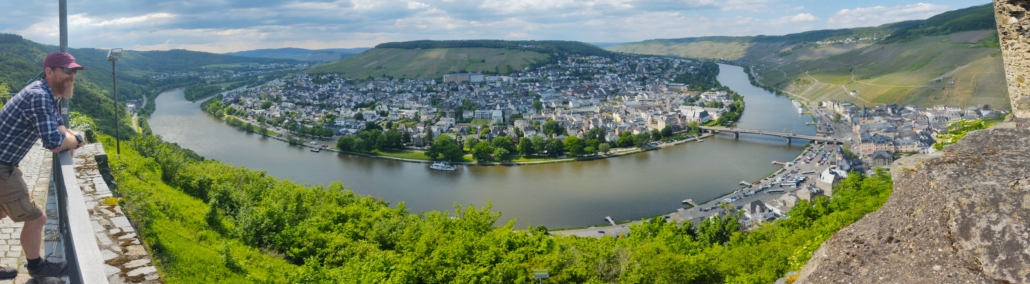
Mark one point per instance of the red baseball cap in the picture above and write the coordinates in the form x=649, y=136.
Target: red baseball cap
x=61, y=59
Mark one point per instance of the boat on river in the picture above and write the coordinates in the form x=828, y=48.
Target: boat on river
x=442, y=166
x=316, y=149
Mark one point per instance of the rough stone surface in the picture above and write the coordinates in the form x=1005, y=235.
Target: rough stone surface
x=956, y=216
x=1014, y=32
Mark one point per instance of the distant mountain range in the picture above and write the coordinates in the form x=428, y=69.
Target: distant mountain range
x=317, y=55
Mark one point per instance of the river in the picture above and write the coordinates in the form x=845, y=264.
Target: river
x=554, y=195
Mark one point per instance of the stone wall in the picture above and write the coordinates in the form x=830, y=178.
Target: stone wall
x=1014, y=32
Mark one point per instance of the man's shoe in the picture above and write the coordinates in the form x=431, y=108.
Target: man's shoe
x=7, y=272
x=49, y=269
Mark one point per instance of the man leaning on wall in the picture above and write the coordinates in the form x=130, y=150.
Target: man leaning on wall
x=30, y=115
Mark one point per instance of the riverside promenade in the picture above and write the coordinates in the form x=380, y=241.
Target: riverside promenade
x=126, y=260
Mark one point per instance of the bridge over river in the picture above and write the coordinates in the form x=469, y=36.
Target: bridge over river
x=790, y=136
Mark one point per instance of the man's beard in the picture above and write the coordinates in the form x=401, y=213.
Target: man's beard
x=65, y=91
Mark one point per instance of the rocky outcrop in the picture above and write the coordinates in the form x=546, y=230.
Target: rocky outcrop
x=1014, y=32
x=956, y=216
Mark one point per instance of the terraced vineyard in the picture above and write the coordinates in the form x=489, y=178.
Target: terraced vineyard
x=950, y=59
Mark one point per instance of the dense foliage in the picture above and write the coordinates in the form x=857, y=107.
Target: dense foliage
x=968, y=19
x=208, y=221
x=704, y=79
x=958, y=129
x=542, y=46
x=197, y=92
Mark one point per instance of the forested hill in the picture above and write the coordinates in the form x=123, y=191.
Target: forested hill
x=541, y=46
x=968, y=19
x=21, y=60
x=949, y=59
x=319, y=55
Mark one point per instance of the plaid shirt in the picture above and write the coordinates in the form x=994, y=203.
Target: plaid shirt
x=31, y=114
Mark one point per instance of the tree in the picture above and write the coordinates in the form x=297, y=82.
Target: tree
x=446, y=147
x=572, y=141
x=555, y=148
x=641, y=140
x=502, y=155
x=666, y=132
x=590, y=150
x=695, y=128
x=604, y=148
x=345, y=143
x=526, y=147
x=625, y=140
x=393, y=139
x=266, y=104
x=552, y=128
x=482, y=151
x=504, y=142
x=538, y=105
x=539, y=144
x=359, y=116
x=596, y=133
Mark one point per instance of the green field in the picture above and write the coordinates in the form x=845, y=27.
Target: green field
x=431, y=63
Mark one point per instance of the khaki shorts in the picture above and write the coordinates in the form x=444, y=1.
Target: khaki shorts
x=15, y=199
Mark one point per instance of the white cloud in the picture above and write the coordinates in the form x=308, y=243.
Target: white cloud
x=133, y=20
x=878, y=15
x=803, y=17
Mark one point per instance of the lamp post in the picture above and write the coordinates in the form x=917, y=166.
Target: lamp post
x=113, y=56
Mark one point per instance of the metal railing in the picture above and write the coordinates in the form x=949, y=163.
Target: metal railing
x=85, y=263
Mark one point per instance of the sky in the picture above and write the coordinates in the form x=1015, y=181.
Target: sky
x=221, y=26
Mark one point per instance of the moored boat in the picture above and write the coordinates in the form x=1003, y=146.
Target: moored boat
x=442, y=166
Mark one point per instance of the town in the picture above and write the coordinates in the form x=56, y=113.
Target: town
x=632, y=95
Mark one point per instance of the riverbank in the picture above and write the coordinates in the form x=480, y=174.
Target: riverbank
x=468, y=162
x=709, y=207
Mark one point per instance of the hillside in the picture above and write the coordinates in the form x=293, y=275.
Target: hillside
x=433, y=59
x=952, y=58
x=431, y=63
x=301, y=54
x=20, y=61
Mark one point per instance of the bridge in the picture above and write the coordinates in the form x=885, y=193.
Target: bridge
x=790, y=136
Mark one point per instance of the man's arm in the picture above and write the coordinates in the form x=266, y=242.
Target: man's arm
x=69, y=142
x=55, y=136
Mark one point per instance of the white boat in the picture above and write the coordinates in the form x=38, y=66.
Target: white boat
x=316, y=149
x=442, y=166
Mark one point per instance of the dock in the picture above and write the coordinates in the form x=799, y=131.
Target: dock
x=609, y=219
x=690, y=201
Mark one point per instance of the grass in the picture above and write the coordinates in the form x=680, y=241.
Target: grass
x=430, y=63
x=172, y=224
x=408, y=154
x=534, y=159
